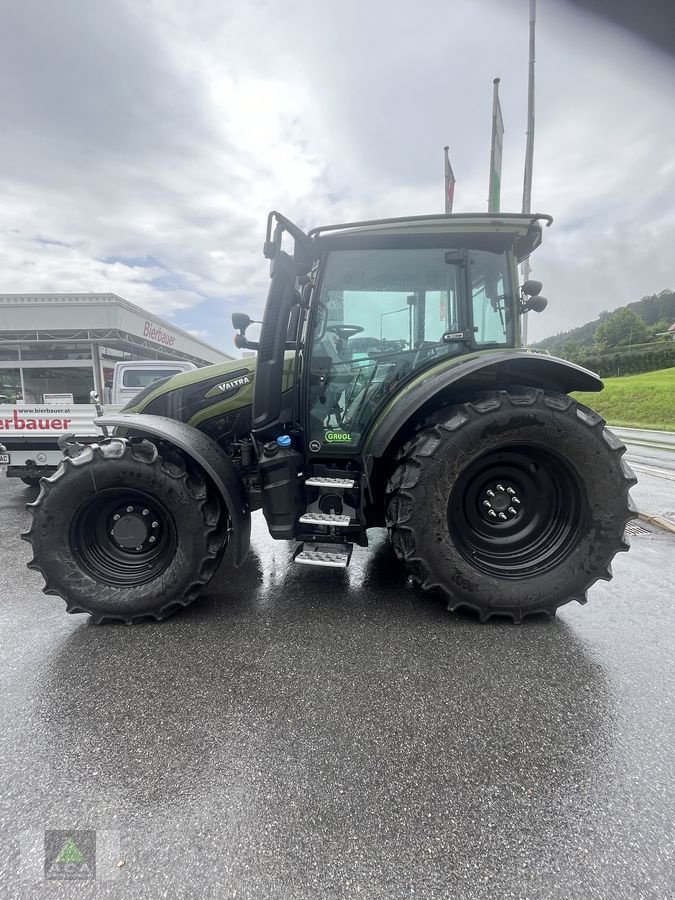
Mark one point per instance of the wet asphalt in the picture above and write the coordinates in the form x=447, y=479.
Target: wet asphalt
x=308, y=734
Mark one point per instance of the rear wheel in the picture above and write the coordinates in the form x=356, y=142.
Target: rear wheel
x=124, y=532
x=511, y=505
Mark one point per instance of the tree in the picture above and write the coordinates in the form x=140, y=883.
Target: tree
x=620, y=329
x=571, y=351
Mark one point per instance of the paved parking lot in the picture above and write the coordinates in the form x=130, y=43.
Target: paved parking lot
x=308, y=734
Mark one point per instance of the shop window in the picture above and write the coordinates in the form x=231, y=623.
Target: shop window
x=76, y=381
x=10, y=385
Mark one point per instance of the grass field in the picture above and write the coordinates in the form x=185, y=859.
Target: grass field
x=637, y=401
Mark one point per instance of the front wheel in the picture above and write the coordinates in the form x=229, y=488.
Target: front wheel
x=511, y=505
x=124, y=532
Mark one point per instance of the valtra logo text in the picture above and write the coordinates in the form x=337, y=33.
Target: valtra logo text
x=158, y=335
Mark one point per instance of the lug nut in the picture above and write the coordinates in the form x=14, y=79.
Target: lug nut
x=146, y=512
x=510, y=490
x=139, y=548
x=116, y=517
x=490, y=493
x=512, y=511
x=492, y=513
x=155, y=525
x=500, y=487
x=487, y=503
x=515, y=500
x=502, y=516
x=130, y=509
x=152, y=539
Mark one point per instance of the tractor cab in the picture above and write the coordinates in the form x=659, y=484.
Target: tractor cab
x=366, y=307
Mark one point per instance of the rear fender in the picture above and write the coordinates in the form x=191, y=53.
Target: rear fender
x=484, y=372
x=206, y=454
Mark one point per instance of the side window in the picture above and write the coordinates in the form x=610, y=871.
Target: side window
x=490, y=303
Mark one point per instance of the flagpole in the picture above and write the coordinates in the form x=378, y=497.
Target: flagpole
x=529, y=149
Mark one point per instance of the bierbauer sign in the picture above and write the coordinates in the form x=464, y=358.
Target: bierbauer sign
x=158, y=335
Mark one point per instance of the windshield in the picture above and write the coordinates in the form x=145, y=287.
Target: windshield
x=388, y=313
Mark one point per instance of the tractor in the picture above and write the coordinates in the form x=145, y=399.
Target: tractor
x=390, y=388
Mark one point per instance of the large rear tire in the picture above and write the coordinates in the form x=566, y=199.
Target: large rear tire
x=124, y=533
x=513, y=504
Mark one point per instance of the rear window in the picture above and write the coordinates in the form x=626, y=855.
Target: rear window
x=140, y=378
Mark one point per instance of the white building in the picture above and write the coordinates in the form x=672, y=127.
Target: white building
x=69, y=343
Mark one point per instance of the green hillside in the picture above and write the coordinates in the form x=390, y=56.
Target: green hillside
x=657, y=308
x=637, y=401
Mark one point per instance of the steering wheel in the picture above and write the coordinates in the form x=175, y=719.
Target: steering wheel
x=344, y=331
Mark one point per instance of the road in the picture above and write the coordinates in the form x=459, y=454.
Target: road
x=323, y=734
x=651, y=454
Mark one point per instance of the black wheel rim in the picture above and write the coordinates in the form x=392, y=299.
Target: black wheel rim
x=517, y=511
x=123, y=537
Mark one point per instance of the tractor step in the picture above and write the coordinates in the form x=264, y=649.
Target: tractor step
x=325, y=481
x=336, y=556
x=319, y=518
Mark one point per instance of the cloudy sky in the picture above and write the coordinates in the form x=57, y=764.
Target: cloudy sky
x=143, y=142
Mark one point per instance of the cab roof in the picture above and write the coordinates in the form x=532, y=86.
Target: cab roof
x=496, y=231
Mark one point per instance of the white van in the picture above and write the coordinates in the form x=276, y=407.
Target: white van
x=132, y=377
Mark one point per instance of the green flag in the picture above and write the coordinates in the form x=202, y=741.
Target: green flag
x=494, y=191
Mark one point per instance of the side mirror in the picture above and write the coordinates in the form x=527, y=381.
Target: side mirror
x=241, y=321
x=535, y=304
x=532, y=288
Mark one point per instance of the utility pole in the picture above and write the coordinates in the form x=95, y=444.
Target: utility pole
x=529, y=148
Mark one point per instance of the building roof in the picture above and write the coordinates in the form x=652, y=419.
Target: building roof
x=103, y=318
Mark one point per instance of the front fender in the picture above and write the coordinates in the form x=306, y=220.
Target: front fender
x=207, y=454
x=482, y=372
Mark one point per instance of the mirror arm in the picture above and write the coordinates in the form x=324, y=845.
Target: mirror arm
x=241, y=342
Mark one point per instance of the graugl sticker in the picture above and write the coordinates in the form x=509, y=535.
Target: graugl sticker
x=337, y=437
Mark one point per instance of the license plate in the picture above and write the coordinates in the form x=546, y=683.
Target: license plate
x=4, y=459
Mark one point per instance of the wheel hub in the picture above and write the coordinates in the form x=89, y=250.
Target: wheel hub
x=499, y=502
x=134, y=528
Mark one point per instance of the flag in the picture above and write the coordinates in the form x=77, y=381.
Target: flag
x=449, y=182
x=496, y=152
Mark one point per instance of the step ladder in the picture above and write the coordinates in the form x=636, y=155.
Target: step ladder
x=329, y=552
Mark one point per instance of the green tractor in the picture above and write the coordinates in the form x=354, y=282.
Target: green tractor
x=390, y=389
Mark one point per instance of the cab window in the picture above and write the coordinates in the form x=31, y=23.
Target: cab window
x=383, y=315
